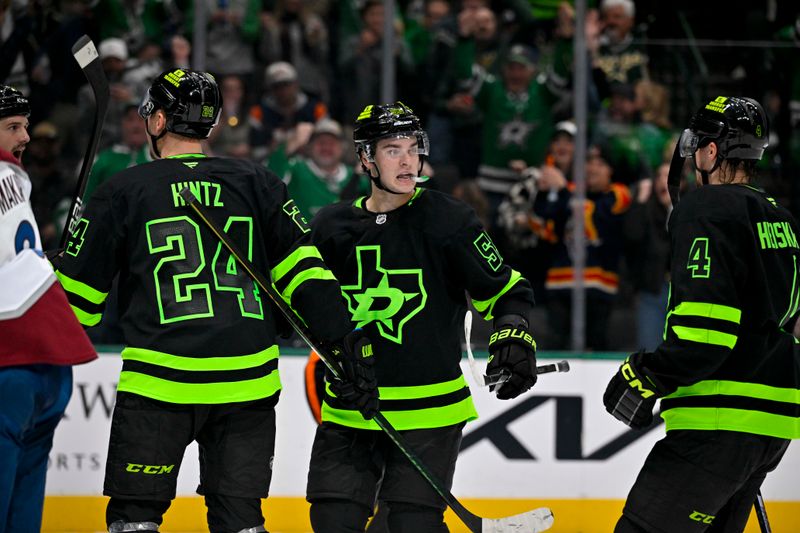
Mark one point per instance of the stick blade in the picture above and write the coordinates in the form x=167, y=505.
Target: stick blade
x=540, y=519
x=84, y=51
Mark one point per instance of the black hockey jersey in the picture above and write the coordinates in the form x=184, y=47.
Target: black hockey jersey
x=735, y=289
x=403, y=275
x=196, y=327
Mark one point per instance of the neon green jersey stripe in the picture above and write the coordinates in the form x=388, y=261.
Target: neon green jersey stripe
x=736, y=388
x=202, y=393
x=178, y=362
x=303, y=252
x=422, y=391
x=182, y=156
x=417, y=391
x=86, y=319
x=707, y=310
x=486, y=307
x=433, y=417
x=707, y=336
x=81, y=289
x=709, y=418
x=311, y=273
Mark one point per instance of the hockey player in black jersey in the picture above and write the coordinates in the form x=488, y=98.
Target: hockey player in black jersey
x=200, y=361
x=405, y=257
x=726, y=372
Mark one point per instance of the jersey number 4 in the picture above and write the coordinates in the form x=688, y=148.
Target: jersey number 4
x=699, y=260
x=177, y=244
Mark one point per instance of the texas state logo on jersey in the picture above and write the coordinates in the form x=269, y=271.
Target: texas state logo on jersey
x=388, y=297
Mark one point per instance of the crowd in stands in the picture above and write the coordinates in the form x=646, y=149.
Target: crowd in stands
x=493, y=82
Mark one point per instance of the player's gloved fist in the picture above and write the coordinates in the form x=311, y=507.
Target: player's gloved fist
x=512, y=351
x=632, y=393
x=358, y=388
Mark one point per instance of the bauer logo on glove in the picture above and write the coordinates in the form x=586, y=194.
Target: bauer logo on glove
x=513, y=333
x=512, y=353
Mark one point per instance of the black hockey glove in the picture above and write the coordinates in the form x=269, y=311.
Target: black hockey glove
x=632, y=393
x=358, y=389
x=512, y=351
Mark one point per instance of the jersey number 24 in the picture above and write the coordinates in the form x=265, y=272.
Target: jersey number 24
x=180, y=293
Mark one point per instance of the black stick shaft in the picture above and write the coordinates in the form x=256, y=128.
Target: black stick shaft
x=761, y=513
x=85, y=53
x=472, y=521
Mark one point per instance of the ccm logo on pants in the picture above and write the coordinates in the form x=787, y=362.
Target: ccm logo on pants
x=149, y=469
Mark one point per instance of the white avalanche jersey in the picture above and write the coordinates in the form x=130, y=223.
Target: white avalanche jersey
x=24, y=272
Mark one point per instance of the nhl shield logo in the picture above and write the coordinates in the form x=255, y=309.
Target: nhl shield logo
x=380, y=219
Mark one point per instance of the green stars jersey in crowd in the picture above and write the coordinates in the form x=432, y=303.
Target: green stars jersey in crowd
x=308, y=184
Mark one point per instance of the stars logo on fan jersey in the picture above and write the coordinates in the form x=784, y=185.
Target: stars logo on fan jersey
x=515, y=132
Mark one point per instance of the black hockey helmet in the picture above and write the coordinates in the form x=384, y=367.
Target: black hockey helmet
x=190, y=99
x=13, y=103
x=378, y=122
x=737, y=125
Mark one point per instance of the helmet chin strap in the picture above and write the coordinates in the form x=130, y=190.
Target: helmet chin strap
x=379, y=184
x=154, y=139
x=704, y=173
x=377, y=181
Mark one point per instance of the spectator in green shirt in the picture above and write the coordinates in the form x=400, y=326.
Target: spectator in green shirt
x=320, y=177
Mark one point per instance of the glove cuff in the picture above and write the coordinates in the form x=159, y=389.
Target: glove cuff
x=513, y=320
x=640, y=378
x=351, y=339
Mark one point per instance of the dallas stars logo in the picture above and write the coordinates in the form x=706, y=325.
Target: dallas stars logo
x=515, y=132
x=393, y=298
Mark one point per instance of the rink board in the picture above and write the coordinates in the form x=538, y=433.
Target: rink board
x=554, y=446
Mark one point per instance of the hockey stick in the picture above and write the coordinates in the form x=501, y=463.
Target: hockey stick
x=482, y=380
x=86, y=55
x=761, y=513
x=528, y=522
